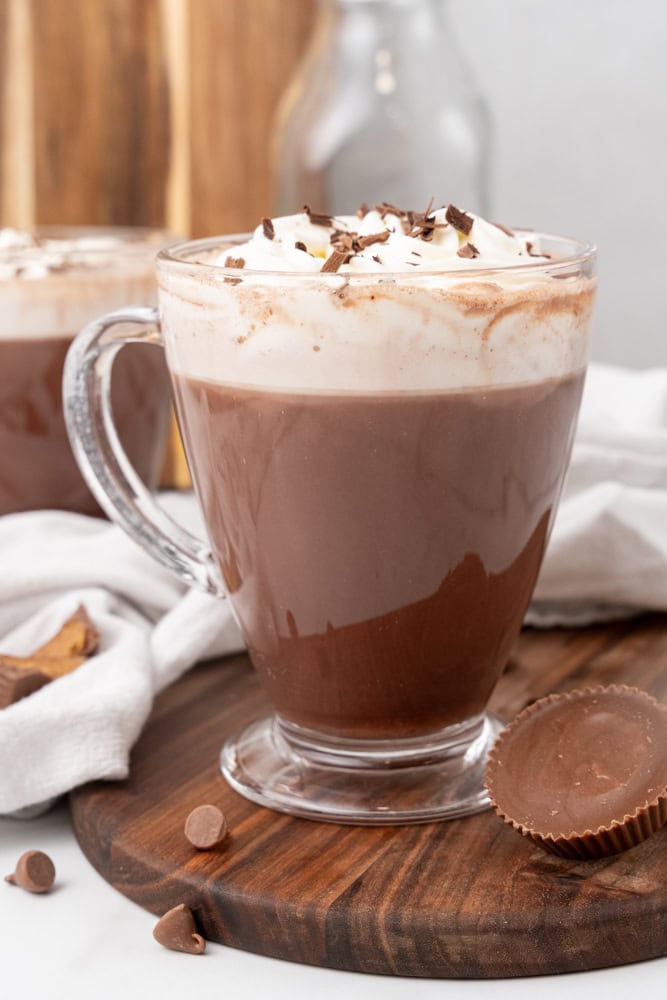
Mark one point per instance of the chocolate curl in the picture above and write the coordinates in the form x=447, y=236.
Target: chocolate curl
x=318, y=218
x=461, y=221
x=334, y=261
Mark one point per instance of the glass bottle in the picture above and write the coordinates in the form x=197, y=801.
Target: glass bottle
x=383, y=107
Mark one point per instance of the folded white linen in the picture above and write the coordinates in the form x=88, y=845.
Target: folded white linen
x=607, y=557
x=152, y=629
x=608, y=552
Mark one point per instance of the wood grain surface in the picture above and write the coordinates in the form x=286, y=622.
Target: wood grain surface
x=156, y=112
x=468, y=898
x=4, y=101
x=241, y=55
x=101, y=114
x=143, y=112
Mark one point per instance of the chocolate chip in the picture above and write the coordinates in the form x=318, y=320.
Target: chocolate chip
x=268, y=229
x=460, y=220
x=177, y=931
x=299, y=245
x=35, y=872
x=237, y=262
x=205, y=827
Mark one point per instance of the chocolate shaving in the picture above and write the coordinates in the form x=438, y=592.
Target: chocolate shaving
x=386, y=208
x=362, y=210
x=237, y=262
x=460, y=220
x=342, y=240
x=300, y=246
x=269, y=231
x=422, y=225
x=318, y=218
x=468, y=251
x=377, y=259
x=367, y=241
x=352, y=243
x=503, y=229
x=536, y=253
x=415, y=224
x=334, y=261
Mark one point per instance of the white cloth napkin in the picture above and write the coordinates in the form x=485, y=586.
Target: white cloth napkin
x=607, y=556
x=83, y=726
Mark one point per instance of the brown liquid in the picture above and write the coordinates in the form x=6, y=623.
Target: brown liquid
x=380, y=549
x=37, y=468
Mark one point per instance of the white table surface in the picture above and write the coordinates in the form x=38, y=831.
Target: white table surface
x=84, y=941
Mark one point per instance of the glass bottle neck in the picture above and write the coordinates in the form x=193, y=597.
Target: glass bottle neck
x=423, y=21
x=387, y=4
x=412, y=34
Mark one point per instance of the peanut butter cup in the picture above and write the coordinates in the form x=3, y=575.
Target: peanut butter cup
x=583, y=774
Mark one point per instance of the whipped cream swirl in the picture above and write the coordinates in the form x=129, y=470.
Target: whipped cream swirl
x=382, y=239
x=25, y=255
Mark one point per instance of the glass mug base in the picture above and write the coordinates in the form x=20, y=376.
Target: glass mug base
x=377, y=783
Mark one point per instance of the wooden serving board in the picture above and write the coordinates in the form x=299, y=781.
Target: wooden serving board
x=468, y=898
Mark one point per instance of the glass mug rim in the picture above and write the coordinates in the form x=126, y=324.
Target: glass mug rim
x=182, y=257
x=131, y=240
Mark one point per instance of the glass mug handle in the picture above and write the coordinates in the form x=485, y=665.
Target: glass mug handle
x=100, y=455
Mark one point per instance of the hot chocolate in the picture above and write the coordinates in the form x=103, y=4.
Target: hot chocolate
x=377, y=413
x=50, y=286
x=379, y=460
x=380, y=549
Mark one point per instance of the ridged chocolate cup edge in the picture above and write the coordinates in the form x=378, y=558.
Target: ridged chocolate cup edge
x=618, y=836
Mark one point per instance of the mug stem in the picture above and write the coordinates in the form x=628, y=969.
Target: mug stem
x=100, y=455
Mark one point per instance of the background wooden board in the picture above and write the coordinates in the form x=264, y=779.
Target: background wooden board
x=241, y=56
x=101, y=112
x=150, y=113
x=468, y=898
x=4, y=43
x=143, y=112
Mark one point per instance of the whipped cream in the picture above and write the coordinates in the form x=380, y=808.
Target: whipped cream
x=447, y=322
x=53, y=282
x=383, y=239
x=25, y=255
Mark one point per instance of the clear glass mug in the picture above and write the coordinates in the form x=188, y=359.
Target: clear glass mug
x=378, y=459
x=48, y=291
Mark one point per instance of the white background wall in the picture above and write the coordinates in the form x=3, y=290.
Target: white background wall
x=578, y=94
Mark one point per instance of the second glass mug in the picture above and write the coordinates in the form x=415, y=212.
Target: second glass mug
x=378, y=459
